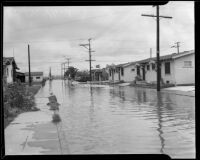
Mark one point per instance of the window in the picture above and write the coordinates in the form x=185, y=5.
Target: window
x=153, y=66
x=37, y=77
x=122, y=71
x=133, y=69
x=187, y=63
x=148, y=67
x=110, y=72
x=167, y=67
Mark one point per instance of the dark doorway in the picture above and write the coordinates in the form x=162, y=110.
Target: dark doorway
x=143, y=73
x=119, y=74
x=138, y=70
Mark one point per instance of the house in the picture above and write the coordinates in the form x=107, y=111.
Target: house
x=176, y=69
x=99, y=74
x=116, y=72
x=35, y=76
x=9, y=69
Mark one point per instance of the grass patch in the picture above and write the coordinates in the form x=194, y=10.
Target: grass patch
x=33, y=89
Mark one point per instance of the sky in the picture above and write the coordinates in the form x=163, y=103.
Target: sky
x=119, y=34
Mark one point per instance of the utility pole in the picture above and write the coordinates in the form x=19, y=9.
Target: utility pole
x=157, y=43
x=68, y=62
x=90, y=56
x=177, y=46
x=29, y=66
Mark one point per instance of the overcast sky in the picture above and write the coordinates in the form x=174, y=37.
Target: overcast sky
x=119, y=34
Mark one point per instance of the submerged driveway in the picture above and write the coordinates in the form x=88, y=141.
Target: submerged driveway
x=99, y=119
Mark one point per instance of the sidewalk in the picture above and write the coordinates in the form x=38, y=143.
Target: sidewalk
x=34, y=133
x=181, y=90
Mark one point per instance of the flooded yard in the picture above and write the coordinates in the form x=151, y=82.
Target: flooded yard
x=101, y=119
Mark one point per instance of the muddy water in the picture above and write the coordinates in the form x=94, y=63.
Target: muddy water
x=100, y=119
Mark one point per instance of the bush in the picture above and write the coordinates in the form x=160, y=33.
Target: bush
x=16, y=98
x=138, y=78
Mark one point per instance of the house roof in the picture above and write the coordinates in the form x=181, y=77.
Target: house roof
x=8, y=61
x=96, y=70
x=162, y=58
x=20, y=73
x=34, y=73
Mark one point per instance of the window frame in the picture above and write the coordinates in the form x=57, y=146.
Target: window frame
x=169, y=68
x=187, y=66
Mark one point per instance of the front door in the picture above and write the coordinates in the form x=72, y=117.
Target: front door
x=138, y=70
x=143, y=73
x=119, y=74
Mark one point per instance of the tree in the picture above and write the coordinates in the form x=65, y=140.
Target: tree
x=71, y=72
x=82, y=73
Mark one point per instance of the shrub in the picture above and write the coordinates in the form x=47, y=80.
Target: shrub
x=138, y=78
x=16, y=96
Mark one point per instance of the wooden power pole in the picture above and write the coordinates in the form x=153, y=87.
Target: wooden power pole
x=90, y=56
x=176, y=46
x=29, y=66
x=157, y=43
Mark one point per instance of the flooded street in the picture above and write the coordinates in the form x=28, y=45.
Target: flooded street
x=102, y=119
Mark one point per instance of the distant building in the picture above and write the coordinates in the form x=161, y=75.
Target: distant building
x=35, y=76
x=9, y=69
x=99, y=74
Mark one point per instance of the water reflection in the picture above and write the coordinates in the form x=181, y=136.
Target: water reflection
x=159, y=106
x=91, y=108
x=50, y=86
x=125, y=120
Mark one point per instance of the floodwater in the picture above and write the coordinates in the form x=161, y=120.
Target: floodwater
x=102, y=119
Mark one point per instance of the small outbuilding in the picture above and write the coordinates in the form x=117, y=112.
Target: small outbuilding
x=35, y=76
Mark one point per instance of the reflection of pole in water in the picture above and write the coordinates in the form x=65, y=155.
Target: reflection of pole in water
x=92, y=104
x=50, y=86
x=159, y=112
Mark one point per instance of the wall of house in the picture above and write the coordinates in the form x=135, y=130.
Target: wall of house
x=116, y=76
x=35, y=79
x=129, y=75
x=185, y=75
x=151, y=75
x=168, y=77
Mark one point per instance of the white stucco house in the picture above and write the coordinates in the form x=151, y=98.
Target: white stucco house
x=176, y=69
x=35, y=76
x=9, y=69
